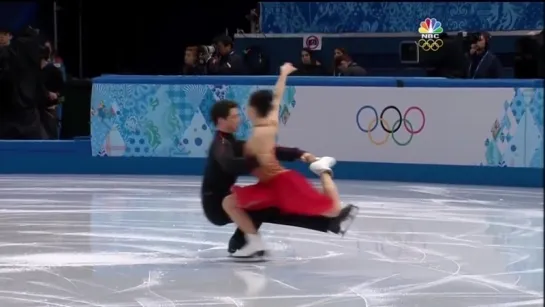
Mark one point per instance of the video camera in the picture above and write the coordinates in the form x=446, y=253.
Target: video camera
x=205, y=53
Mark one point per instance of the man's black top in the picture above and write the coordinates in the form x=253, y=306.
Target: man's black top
x=486, y=66
x=52, y=81
x=225, y=163
x=229, y=64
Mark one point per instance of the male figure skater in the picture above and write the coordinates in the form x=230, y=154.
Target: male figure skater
x=226, y=162
x=278, y=187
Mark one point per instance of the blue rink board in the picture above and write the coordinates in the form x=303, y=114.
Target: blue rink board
x=320, y=81
x=73, y=157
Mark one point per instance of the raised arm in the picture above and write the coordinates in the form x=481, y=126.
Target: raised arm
x=285, y=71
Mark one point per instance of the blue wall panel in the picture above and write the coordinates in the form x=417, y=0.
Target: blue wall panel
x=351, y=17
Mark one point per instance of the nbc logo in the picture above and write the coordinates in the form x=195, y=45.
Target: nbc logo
x=430, y=28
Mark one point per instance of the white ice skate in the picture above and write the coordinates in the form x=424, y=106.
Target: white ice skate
x=323, y=164
x=254, y=248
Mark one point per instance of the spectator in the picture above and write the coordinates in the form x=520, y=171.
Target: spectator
x=309, y=65
x=55, y=58
x=19, y=112
x=483, y=64
x=226, y=62
x=337, y=53
x=191, y=62
x=347, y=67
x=5, y=38
x=52, y=82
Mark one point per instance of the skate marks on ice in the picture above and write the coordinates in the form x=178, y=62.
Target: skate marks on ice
x=142, y=241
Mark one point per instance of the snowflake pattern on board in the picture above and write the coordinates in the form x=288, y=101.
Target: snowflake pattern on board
x=167, y=120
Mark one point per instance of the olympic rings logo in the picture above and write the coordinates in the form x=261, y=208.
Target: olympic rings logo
x=402, y=121
x=430, y=44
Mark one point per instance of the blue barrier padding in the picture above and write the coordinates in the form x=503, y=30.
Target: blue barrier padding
x=73, y=157
x=246, y=80
x=321, y=81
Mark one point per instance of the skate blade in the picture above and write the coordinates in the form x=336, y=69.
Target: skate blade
x=255, y=257
x=349, y=220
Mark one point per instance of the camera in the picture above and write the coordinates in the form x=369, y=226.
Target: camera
x=205, y=53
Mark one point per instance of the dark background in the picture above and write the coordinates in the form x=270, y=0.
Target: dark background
x=147, y=37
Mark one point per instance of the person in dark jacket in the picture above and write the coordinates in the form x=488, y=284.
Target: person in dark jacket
x=226, y=162
x=52, y=83
x=227, y=61
x=309, y=65
x=19, y=84
x=483, y=64
x=347, y=67
x=337, y=53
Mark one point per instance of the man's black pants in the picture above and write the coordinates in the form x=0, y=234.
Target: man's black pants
x=216, y=215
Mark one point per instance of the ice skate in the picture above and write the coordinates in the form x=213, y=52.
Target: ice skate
x=342, y=223
x=323, y=164
x=254, y=248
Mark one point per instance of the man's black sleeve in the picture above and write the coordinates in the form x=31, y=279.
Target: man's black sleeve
x=229, y=162
x=288, y=153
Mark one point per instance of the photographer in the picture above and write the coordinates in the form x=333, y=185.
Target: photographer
x=483, y=64
x=20, y=80
x=226, y=61
x=347, y=67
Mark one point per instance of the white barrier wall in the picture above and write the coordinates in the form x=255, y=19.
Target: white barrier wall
x=407, y=129
x=458, y=126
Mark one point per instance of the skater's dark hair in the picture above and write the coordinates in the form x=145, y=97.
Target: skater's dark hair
x=262, y=102
x=221, y=109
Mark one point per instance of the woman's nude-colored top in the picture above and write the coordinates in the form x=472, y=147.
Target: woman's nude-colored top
x=268, y=169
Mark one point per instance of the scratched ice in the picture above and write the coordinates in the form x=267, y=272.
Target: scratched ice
x=142, y=241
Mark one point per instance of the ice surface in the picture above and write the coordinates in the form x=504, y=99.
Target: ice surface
x=142, y=241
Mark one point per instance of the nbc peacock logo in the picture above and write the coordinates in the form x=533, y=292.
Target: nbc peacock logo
x=429, y=30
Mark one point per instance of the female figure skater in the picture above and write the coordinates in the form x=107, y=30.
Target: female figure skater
x=277, y=186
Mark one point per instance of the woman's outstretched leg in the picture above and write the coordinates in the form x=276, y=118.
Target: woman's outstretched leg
x=322, y=167
x=344, y=216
